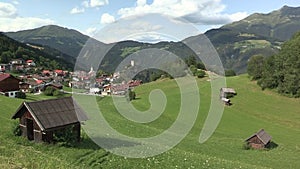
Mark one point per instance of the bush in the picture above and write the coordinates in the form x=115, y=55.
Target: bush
x=21, y=95
x=200, y=73
x=67, y=136
x=16, y=129
x=49, y=91
x=57, y=93
x=130, y=95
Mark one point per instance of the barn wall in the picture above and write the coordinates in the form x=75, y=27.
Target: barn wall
x=256, y=143
x=37, y=133
x=9, y=84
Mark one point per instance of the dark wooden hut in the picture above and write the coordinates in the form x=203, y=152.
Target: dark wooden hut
x=259, y=140
x=40, y=119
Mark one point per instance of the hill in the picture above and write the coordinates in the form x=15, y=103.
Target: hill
x=252, y=109
x=43, y=57
x=66, y=40
x=281, y=24
x=235, y=42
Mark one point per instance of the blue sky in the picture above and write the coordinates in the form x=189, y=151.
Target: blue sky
x=90, y=16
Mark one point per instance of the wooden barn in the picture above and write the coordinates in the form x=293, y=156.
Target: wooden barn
x=40, y=119
x=259, y=140
x=227, y=92
x=9, y=84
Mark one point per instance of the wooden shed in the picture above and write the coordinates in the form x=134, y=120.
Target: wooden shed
x=40, y=119
x=259, y=140
x=227, y=92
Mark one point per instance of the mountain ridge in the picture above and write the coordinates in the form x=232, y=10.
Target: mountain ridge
x=235, y=42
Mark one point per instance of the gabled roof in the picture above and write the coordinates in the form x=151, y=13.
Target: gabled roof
x=228, y=90
x=53, y=113
x=262, y=135
x=4, y=76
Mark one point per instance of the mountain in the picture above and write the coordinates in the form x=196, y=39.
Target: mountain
x=12, y=49
x=257, y=34
x=235, y=47
x=66, y=40
x=280, y=24
x=235, y=42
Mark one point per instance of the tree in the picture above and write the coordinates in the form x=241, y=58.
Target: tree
x=6, y=57
x=282, y=71
x=255, y=67
x=191, y=60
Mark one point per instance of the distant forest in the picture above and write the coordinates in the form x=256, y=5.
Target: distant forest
x=280, y=71
x=11, y=49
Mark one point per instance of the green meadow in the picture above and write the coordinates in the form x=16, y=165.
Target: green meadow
x=252, y=110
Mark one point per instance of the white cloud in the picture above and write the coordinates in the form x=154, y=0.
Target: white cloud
x=19, y=23
x=77, y=10
x=86, y=4
x=141, y=2
x=90, y=31
x=98, y=3
x=10, y=21
x=7, y=10
x=207, y=12
x=238, y=16
x=15, y=2
x=94, y=3
x=107, y=18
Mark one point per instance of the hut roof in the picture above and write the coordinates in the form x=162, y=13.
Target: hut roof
x=228, y=90
x=53, y=113
x=262, y=135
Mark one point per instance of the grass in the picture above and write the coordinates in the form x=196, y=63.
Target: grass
x=252, y=109
x=250, y=44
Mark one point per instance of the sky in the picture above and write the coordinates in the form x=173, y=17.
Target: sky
x=93, y=16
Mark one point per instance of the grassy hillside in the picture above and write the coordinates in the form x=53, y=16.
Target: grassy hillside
x=252, y=109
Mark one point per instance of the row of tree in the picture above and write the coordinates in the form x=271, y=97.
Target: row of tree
x=11, y=49
x=280, y=71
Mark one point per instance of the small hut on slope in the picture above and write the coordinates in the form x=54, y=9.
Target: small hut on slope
x=40, y=119
x=259, y=140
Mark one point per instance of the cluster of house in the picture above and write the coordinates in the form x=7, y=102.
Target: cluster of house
x=17, y=64
x=11, y=85
x=104, y=85
x=36, y=83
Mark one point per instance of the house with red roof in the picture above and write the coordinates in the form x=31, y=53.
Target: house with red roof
x=30, y=63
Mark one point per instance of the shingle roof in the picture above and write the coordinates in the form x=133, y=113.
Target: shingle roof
x=228, y=90
x=4, y=76
x=262, y=135
x=53, y=113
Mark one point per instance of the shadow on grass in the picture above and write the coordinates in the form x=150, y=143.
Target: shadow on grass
x=109, y=143
x=271, y=145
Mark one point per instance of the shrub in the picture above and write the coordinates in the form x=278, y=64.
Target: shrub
x=200, y=73
x=49, y=91
x=130, y=95
x=16, y=129
x=66, y=136
x=21, y=95
x=57, y=93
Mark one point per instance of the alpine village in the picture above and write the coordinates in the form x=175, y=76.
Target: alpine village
x=43, y=125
